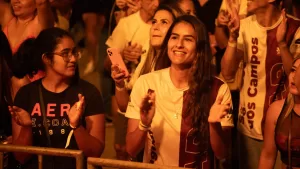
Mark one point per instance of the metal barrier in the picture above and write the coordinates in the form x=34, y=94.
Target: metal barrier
x=93, y=162
x=40, y=151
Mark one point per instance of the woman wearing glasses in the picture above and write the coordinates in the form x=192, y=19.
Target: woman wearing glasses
x=71, y=108
x=179, y=114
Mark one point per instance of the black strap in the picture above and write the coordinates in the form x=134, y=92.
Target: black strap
x=46, y=127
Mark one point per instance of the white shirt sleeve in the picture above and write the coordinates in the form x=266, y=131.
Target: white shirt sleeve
x=137, y=94
x=118, y=38
x=225, y=92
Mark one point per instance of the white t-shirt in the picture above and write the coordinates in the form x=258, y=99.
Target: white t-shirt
x=174, y=145
x=263, y=71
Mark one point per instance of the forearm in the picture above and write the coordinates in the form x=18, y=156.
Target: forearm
x=45, y=14
x=122, y=98
x=90, y=146
x=217, y=140
x=136, y=141
x=286, y=56
x=221, y=37
x=266, y=161
x=230, y=61
x=24, y=138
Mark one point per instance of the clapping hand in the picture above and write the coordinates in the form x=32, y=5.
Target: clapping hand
x=20, y=116
x=148, y=108
x=76, y=111
x=132, y=52
x=218, y=111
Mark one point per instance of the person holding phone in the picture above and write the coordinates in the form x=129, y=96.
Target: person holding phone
x=71, y=108
x=180, y=114
x=162, y=20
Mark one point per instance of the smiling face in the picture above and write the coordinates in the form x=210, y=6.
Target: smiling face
x=160, y=25
x=294, y=78
x=61, y=65
x=182, y=45
x=25, y=8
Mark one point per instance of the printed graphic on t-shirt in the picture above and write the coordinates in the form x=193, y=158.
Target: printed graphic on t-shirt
x=57, y=118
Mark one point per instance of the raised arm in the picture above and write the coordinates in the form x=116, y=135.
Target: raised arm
x=5, y=13
x=45, y=14
x=232, y=55
x=269, y=151
x=286, y=55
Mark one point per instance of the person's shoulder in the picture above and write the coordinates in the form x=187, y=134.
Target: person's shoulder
x=87, y=85
x=32, y=85
x=277, y=105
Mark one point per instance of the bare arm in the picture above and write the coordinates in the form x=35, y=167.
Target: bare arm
x=45, y=14
x=221, y=37
x=220, y=139
x=21, y=131
x=135, y=137
x=21, y=136
x=269, y=151
x=122, y=98
x=92, y=139
x=232, y=57
x=5, y=13
x=286, y=56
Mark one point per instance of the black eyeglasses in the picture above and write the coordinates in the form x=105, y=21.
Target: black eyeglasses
x=153, y=149
x=67, y=54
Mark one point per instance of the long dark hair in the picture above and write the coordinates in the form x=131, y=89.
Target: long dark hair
x=200, y=76
x=152, y=54
x=5, y=69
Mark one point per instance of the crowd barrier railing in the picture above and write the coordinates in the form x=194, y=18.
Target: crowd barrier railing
x=41, y=151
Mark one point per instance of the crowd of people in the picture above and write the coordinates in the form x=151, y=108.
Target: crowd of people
x=206, y=83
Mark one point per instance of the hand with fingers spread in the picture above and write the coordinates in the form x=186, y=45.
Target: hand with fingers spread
x=20, y=116
x=118, y=76
x=281, y=30
x=76, y=111
x=148, y=108
x=218, y=111
x=132, y=52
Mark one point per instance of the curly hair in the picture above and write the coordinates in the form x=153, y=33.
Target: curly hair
x=200, y=76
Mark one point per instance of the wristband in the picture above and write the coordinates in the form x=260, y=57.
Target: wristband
x=234, y=44
x=74, y=128
x=144, y=127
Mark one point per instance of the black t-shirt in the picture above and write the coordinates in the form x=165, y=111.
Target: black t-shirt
x=57, y=105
